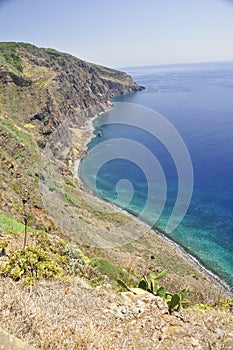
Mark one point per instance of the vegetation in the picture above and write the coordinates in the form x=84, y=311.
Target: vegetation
x=107, y=268
x=11, y=226
x=225, y=305
x=70, y=183
x=53, y=54
x=149, y=284
x=50, y=257
x=76, y=260
x=20, y=135
x=3, y=245
x=10, y=58
x=31, y=263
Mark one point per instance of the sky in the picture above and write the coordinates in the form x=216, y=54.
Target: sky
x=124, y=32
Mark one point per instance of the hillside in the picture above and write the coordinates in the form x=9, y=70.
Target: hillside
x=39, y=89
x=60, y=291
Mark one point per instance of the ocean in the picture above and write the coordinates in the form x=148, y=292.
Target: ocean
x=196, y=101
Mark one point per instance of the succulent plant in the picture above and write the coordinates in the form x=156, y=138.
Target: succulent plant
x=149, y=284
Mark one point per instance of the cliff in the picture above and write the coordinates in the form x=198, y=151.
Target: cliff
x=42, y=87
x=39, y=89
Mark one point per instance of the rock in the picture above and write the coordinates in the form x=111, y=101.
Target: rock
x=9, y=342
x=220, y=332
x=195, y=342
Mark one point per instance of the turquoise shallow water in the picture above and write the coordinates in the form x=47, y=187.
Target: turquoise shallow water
x=198, y=100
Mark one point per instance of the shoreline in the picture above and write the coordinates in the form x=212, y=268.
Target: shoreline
x=180, y=250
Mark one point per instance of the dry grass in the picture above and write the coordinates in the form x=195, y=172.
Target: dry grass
x=54, y=315
x=47, y=315
x=72, y=315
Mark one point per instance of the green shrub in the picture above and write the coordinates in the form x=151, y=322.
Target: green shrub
x=105, y=267
x=76, y=259
x=84, y=219
x=11, y=226
x=3, y=246
x=226, y=305
x=70, y=183
x=31, y=263
x=10, y=58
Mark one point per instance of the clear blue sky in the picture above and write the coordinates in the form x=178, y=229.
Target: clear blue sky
x=124, y=32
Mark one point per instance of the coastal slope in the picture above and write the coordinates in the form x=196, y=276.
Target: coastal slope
x=39, y=89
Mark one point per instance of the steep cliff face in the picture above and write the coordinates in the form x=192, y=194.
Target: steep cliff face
x=39, y=89
x=42, y=87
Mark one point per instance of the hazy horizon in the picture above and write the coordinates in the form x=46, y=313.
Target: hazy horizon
x=123, y=34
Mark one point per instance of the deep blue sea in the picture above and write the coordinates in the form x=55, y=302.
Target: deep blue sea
x=197, y=99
